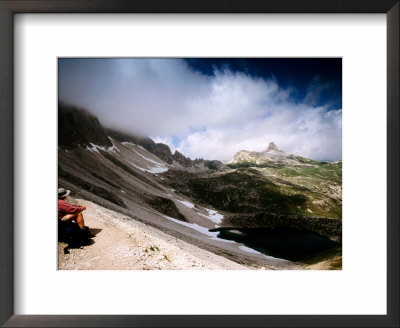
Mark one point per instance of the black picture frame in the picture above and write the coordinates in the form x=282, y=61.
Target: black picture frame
x=10, y=7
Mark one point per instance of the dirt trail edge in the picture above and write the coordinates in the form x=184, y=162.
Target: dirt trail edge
x=122, y=243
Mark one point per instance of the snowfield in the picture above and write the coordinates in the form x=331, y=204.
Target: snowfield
x=213, y=216
x=157, y=167
x=95, y=148
x=202, y=230
x=147, y=159
x=186, y=203
x=153, y=170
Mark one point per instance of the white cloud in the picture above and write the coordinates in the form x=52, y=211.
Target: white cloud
x=313, y=133
x=212, y=116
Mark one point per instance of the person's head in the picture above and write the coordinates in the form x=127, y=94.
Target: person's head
x=63, y=193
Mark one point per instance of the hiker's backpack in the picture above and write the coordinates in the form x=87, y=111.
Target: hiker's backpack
x=70, y=233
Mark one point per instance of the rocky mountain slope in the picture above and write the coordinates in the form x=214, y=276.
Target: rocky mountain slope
x=79, y=128
x=319, y=184
x=192, y=199
x=271, y=156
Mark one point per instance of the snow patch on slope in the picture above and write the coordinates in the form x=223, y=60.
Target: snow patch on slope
x=147, y=159
x=202, y=230
x=138, y=167
x=95, y=148
x=158, y=167
x=186, y=203
x=213, y=216
x=153, y=170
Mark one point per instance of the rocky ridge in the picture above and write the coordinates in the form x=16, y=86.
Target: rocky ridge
x=272, y=155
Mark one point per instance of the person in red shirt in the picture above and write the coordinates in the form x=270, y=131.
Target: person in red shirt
x=69, y=212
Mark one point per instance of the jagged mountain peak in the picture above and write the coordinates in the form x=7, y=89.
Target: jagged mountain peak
x=271, y=156
x=182, y=159
x=272, y=147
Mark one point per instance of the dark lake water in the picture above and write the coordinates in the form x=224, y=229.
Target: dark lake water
x=285, y=243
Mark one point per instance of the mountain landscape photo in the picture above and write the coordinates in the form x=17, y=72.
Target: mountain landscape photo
x=188, y=164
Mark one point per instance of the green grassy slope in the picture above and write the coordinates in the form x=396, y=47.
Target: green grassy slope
x=298, y=190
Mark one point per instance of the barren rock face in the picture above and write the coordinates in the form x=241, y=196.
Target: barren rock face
x=78, y=127
x=181, y=159
x=162, y=151
x=272, y=146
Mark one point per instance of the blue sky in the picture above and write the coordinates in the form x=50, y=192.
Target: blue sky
x=211, y=108
x=322, y=75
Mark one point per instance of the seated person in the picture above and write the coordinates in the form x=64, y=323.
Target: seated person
x=70, y=212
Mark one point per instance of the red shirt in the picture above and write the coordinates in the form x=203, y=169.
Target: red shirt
x=65, y=208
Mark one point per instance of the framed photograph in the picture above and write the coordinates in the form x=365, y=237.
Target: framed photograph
x=198, y=149
x=200, y=162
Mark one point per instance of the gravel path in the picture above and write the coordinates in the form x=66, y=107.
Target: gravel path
x=121, y=243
